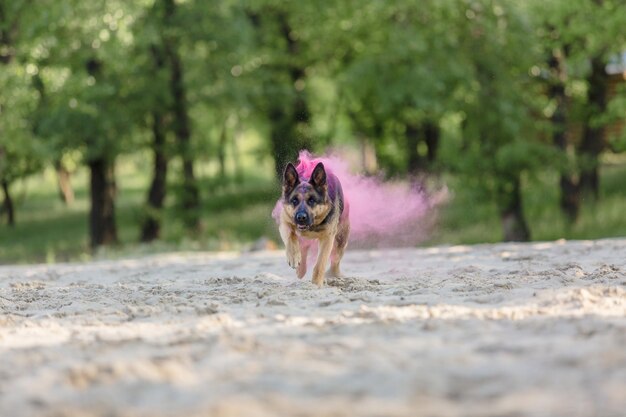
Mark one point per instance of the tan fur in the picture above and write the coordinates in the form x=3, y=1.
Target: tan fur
x=326, y=246
x=320, y=212
x=288, y=234
x=341, y=242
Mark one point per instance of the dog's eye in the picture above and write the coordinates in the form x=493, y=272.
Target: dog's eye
x=311, y=201
x=295, y=201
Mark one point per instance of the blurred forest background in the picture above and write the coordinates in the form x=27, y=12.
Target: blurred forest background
x=167, y=121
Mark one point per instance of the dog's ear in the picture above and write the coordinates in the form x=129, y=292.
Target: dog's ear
x=290, y=179
x=318, y=178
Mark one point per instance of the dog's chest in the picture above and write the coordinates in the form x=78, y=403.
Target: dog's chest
x=311, y=234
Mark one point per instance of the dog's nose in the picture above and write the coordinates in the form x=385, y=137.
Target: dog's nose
x=302, y=217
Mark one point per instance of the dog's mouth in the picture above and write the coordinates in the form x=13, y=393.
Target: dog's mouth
x=302, y=226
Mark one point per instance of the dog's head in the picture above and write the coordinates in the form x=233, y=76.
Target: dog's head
x=306, y=202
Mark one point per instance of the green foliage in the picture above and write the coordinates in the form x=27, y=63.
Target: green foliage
x=20, y=153
x=572, y=35
x=86, y=84
x=262, y=78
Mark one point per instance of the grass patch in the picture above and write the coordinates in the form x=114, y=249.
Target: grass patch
x=470, y=218
x=233, y=215
x=236, y=213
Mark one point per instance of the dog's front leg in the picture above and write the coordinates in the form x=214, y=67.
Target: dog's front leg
x=292, y=246
x=304, y=251
x=325, y=247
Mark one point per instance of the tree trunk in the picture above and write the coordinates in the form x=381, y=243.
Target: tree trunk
x=66, y=192
x=8, y=205
x=301, y=115
x=7, y=32
x=593, y=143
x=413, y=134
x=369, y=161
x=221, y=152
x=431, y=137
x=428, y=132
x=102, y=226
x=285, y=146
x=570, y=190
x=290, y=130
x=514, y=224
x=235, y=152
x=151, y=228
x=190, y=197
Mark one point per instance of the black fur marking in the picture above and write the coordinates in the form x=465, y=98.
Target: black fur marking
x=335, y=194
x=318, y=177
x=290, y=180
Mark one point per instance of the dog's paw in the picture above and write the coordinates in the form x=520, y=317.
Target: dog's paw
x=293, y=256
x=318, y=277
x=334, y=272
x=318, y=280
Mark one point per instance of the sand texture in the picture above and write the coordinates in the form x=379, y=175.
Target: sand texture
x=490, y=330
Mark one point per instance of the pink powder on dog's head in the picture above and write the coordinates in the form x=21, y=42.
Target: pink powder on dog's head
x=381, y=213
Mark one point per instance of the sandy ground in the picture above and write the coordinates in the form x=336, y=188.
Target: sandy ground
x=489, y=330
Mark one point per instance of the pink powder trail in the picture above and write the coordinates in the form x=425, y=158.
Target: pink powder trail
x=381, y=213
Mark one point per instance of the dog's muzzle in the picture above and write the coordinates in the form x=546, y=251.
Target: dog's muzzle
x=302, y=220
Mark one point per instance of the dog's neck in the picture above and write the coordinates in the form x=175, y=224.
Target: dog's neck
x=327, y=219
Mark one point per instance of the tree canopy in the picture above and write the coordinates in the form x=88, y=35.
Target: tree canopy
x=491, y=90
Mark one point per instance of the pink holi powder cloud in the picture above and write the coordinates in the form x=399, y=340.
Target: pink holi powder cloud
x=381, y=213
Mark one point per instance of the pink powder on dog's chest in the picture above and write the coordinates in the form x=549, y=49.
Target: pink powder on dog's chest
x=381, y=213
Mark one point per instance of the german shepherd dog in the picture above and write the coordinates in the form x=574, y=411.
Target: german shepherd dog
x=314, y=208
